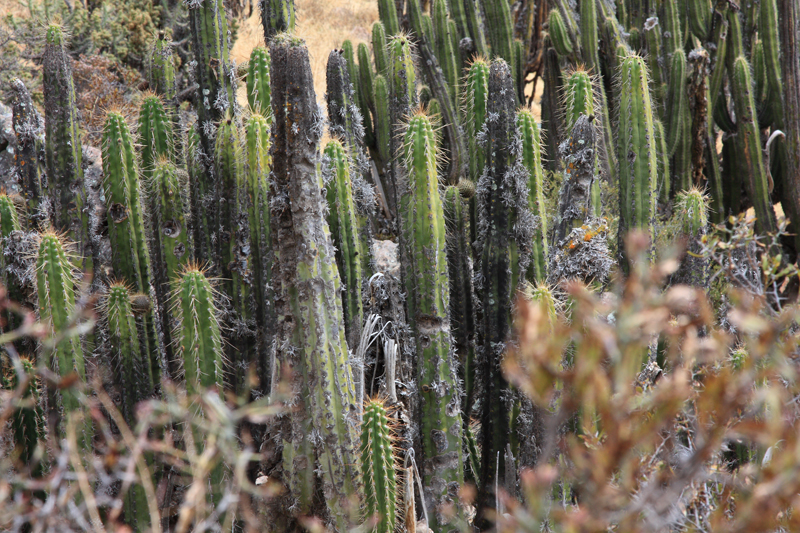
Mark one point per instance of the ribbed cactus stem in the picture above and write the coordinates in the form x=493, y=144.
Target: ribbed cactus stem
x=344, y=232
x=55, y=286
x=63, y=147
x=578, y=97
x=365, y=76
x=476, y=97
x=475, y=24
x=652, y=36
x=343, y=113
x=676, y=101
x=575, y=199
x=590, y=39
x=499, y=28
x=462, y=293
x=9, y=221
x=700, y=18
x=691, y=214
x=379, y=48
x=126, y=228
x=155, y=134
x=162, y=71
x=378, y=467
x=276, y=16
x=387, y=11
x=259, y=166
x=258, y=89
x=383, y=121
x=757, y=181
x=308, y=302
x=532, y=161
x=442, y=463
x=28, y=157
x=638, y=157
x=169, y=219
x=27, y=423
x=443, y=46
x=559, y=35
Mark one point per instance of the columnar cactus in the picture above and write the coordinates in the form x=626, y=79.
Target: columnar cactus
x=575, y=199
x=55, y=286
x=126, y=227
x=155, y=134
x=424, y=226
x=532, y=161
x=259, y=166
x=162, y=71
x=383, y=121
x=276, y=16
x=63, y=147
x=476, y=97
x=336, y=168
x=258, y=90
x=443, y=46
x=343, y=113
x=28, y=157
x=308, y=304
x=9, y=221
x=379, y=48
x=27, y=422
x=499, y=28
x=462, y=306
x=387, y=11
x=366, y=104
x=378, y=465
x=638, y=169
x=691, y=221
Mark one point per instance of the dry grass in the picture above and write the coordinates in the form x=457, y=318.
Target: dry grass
x=324, y=24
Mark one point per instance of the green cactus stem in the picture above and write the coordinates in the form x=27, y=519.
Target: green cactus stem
x=575, y=198
x=383, y=121
x=589, y=35
x=55, y=286
x=155, y=134
x=462, y=294
x=440, y=423
x=344, y=231
x=652, y=35
x=475, y=25
x=259, y=165
x=499, y=28
x=532, y=161
x=378, y=467
x=476, y=97
x=443, y=47
x=276, y=16
x=676, y=101
x=379, y=49
x=126, y=228
x=387, y=12
x=402, y=99
x=63, y=147
x=258, y=90
x=578, y=97
x=27, y=421
x=638, y=157
x=691, y=224
x=308, y=303
x=559, y=35
x=365, y=76
x=757, y=181
x=9, y=221
x=664, y=182
x=28, y=157
x=161, y=73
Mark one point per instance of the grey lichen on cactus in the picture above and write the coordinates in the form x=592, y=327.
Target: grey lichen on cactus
x=63, y=146
x=344, y=115
x=161, y=72
x=320, y=438
x=638, y=158
x=504, y=235
x=9, y=222
x=336, y=174
x=378, y=464
x=29, y=155
x=276, y=16
x=258, y=80
x=55, y=286
x=424, y=228
x=579, y=159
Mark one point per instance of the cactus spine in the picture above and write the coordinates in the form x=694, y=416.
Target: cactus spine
x=155, y=134
x=130, y=256
x=55, y=282
x=258, y=90
x=424, y=226
x=344, y=231
x=638, y=169
x=378, y=467
x=532, y=161
x=63, y=147
x=307, y=296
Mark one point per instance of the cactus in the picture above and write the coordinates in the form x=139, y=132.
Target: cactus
x=462, y=294
x=559, y=35
x=309, y=310
x=691, y=221
x=476, y=96
x=29, y=132
x=126, y=230
x=676, y=102
x=259, y=165
x=63, y=147
x=55, y=282
x=383, y=121
x=532, y=161
x=365, y=77
x=578, y=97
x=343, y=114
x=27, y=421
x=443, y=46
x=424, y=226
x=379, y=48
x=700, y=17
x=575, y=198
x=387, y=11
x=344, y=231
x=757, y=180
x=161, y=72
x=499, y=29
x=638, y=169
x=9, y=221
x=652, y=35
x=499, y=252
x=378, y=467
x=475, y=25
x=155, y=134
x=589, y=36
x=258, y=90
x=276, y=16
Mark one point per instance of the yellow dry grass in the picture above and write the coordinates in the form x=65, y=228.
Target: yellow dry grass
x=324, y=24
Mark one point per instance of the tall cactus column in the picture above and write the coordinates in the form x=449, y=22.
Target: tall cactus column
x=440, y=427
x=63, y=147
x=29, y=131
x=311, y=336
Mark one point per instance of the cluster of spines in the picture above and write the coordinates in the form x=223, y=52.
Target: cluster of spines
x=378, y=467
